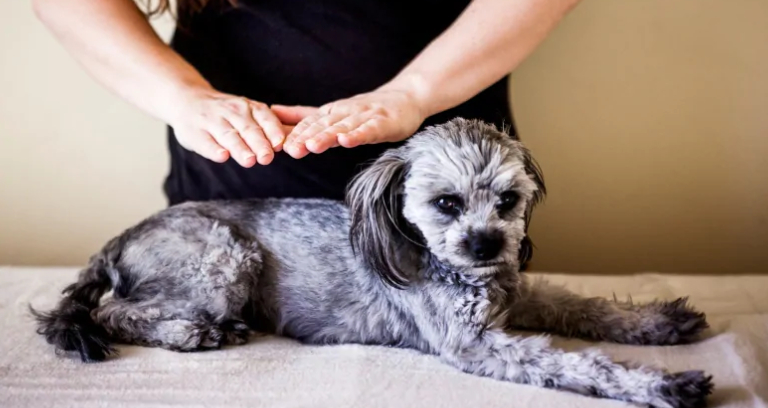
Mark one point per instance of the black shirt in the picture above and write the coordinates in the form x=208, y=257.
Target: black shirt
x=307, y=52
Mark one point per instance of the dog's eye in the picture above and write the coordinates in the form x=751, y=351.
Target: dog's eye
x=449, y=204
x=508, y=200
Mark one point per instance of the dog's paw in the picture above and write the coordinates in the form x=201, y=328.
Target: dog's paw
x=211, y=337
x=186, y=335
x=668, y=323
x=235, y=332
x=688, y=389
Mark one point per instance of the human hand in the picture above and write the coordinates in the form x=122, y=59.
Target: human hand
x=218, y=126
x=374, y=117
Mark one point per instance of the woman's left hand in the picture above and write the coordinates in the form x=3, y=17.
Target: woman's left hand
x=375, y=117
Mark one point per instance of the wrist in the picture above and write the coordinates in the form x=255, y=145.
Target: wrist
x=172, y=97
x=419, y=90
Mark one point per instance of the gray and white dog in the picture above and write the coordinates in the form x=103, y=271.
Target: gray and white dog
x=426, y=254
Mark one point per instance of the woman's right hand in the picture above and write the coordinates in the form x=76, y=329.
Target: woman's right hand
x=218, y=126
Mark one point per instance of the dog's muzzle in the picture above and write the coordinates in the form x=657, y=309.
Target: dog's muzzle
x=484, y=246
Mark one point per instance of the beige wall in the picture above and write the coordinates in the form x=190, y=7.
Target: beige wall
x=77, y=164
x=650, y=119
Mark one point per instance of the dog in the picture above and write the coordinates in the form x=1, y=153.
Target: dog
x=425, y=253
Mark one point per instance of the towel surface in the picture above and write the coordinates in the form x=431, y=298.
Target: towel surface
x=277, y=372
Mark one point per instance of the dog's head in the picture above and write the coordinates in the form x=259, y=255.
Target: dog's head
x=463, y=191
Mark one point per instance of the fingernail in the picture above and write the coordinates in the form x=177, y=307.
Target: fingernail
x=311, y=144
x=221, y=152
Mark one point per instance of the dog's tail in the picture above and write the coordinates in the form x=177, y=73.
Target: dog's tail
x=70, y=327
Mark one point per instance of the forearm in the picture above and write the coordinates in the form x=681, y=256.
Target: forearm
x=115, y=43
x=489, y=40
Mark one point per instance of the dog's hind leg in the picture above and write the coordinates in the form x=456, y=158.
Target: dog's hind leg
x=163, y=324
x=545, y=307
x=184, y=290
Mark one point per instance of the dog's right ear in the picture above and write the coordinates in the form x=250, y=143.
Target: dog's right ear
x=378, y=230
x=533, y=171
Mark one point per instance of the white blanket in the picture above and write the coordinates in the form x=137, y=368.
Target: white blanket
x=274, y=372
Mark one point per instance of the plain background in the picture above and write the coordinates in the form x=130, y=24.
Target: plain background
x=649, y=118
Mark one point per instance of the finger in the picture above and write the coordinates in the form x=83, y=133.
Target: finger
x=269, y=123
x=292, y=145
x=253, y=135
x=370, y=132
x=328, y=138
x=318, y=126
x=306, y=129
x=292, y=115
x=229, y=138
x=322, y=141
x=299, y=128
x=203, y=144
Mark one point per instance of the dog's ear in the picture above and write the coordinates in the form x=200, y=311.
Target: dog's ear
x=378, y=232
x=534, y=173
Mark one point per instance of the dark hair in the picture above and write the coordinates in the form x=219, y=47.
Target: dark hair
x=154, y=8
x=378, y=231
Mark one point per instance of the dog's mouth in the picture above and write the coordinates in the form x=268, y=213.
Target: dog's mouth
x=488, y=264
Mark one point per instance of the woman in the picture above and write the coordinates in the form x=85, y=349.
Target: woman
x=281, y=98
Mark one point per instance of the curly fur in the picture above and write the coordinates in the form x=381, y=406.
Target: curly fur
x=388, y=268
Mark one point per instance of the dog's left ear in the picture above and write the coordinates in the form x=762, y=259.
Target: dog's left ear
x=534, y=172
x=378, y=232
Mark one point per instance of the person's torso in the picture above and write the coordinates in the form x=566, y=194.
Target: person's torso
x=308, y=53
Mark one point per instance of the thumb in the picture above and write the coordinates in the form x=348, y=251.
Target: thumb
x=292, y=115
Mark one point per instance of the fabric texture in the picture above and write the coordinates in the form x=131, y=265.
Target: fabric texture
x=308, y=53
x=277, y=372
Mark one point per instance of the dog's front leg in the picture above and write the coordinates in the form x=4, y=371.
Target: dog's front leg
x=531, y=361
x=544, y=307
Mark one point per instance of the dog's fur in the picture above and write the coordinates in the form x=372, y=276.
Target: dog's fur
x=388, y=268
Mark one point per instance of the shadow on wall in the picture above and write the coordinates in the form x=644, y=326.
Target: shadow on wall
x=650, y=120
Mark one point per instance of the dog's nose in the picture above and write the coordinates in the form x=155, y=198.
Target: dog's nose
x=485, y=246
